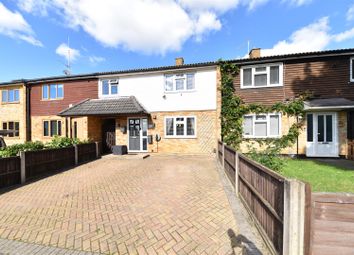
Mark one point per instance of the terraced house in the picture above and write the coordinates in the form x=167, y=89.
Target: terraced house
x=327, y=75
x=171, y=109
x=13, y=110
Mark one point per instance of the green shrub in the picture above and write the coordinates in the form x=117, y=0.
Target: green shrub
x=14, y=150
x=64, y=142
x=268, y=157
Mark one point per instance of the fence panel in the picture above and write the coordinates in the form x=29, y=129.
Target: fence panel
x=229, y=163
x=10, y=171
x=262, y=190
x=86, y=152
x=332, y=223
x=48, y=161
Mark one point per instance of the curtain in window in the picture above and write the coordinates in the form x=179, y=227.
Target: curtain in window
x=190, y=126
x=247, y=125
x=274, y=125
x=169, y=126
x=168, y=82
x=274, y=75
x=247, y=77
x=190, y=81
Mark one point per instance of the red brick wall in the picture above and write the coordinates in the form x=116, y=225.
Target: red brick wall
x=74, y=92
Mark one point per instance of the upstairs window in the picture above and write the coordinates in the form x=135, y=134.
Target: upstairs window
x=270, y=75
x=12, y=126
x=179, y=82
x=180, y=127
x=262, y=125
x=10, y=96
x=352, y=69
x=109, y=87
x=53, y=92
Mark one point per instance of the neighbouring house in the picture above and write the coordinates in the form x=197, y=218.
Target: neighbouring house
x=13, y=112
x=328, y=75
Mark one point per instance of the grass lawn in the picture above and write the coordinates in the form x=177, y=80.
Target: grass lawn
x=322, y=177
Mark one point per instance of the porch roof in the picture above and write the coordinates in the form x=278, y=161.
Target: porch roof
x=338, y=103
x=104, y=107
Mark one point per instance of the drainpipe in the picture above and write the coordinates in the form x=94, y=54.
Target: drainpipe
x=28, y=112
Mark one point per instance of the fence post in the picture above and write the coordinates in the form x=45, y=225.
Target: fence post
x=23, y=166
x=294, y=217
x=97, y=150
x=223, y=155
x=76, y=154
x=237, y=166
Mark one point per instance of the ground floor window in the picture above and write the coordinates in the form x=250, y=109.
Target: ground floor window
x=12, y=125
x=180, y=127
x=262, y=125
x=52, y=128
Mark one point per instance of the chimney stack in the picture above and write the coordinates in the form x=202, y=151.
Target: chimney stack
x=255, y=53
x=179, y=61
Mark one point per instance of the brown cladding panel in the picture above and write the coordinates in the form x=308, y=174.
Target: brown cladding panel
x=74, y=92
x=324, y=77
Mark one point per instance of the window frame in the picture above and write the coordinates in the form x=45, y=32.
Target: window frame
x=185, y=136
x=7, y=128
x=351, y=78
x=50, y=128
x=177, y=76
x=48, y=91
x=7, y=96
x=268, y=115
x=111, y=83
x=253, y=73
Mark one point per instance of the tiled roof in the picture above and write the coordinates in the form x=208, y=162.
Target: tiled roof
x=99, y=107
x=328, y=103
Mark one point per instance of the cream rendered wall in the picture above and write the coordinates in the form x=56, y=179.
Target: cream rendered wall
x=149, y=90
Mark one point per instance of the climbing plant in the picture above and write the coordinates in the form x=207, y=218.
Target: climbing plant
x=233, y=109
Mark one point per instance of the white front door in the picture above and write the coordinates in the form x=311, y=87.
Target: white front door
x=322, y=134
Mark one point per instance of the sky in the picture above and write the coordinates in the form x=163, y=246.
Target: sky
x=108, y=35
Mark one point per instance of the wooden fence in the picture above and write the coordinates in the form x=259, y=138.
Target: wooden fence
x=10, y=171
x=273, y=202
x=332, y=224
x=32, y=164
x=37, y=163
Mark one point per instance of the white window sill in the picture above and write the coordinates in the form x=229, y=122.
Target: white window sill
x=259, y=87
x=180, y=137
x=180, y=91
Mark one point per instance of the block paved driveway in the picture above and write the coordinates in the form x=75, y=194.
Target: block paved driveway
x=160, y=205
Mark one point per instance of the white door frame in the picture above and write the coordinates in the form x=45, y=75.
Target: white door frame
x=312, y=147
x=141, y=134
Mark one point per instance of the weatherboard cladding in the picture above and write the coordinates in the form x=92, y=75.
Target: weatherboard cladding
x=120, y=106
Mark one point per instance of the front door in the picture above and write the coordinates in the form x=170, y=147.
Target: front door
x=137, y=134
x=322, y=135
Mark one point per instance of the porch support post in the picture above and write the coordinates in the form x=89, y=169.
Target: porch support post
x=294, y=217
x=97, y=149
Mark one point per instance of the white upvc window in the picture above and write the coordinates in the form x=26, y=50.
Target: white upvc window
x=352, y=69
x=179, y=82
x=260, y=76
x=109, y=87
x=180, y=127
x=262, y=125
x=52, y=91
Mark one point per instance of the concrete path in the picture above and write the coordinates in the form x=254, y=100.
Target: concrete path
x=159, y=205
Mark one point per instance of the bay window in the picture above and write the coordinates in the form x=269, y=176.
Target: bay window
x=180, y=127
x=269, y=75
x=262, y=125
x=179, y=82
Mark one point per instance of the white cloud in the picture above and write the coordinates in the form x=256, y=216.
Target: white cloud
x=253, y=4
x=207, y=21
x=68, y=53
x=350, y=13
x=314, y=37
x=298, y=2
x=12, y=24
x=95, y=60
x=209, y=5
